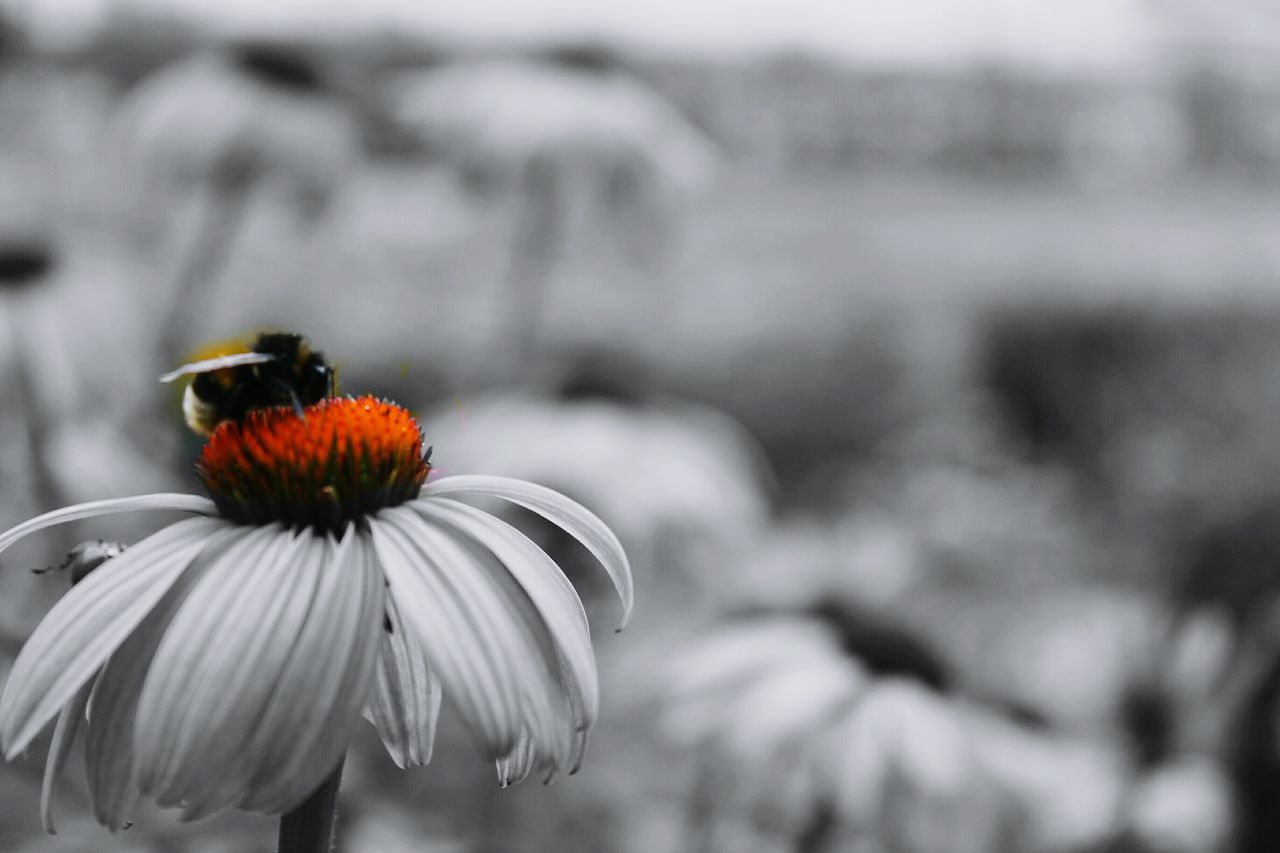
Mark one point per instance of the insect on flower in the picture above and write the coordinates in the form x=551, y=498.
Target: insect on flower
x=277, y=369
x=85, y=558
x=228, y=656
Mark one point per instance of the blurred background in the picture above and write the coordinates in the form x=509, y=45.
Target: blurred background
x=923, y=355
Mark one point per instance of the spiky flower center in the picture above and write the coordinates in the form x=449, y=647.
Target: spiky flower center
x=345, y=458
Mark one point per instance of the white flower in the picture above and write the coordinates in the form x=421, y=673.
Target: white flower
x=668, y=477
x=798, y=733
x=502, y=118
x=224, y=119
x=223, y=660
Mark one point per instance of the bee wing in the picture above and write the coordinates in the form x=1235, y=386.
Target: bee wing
x=220, y=363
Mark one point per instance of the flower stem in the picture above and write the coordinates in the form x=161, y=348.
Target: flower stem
x=309, y=828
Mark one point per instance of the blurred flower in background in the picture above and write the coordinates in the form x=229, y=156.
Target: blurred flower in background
x=685, y=487
x=830, y=731
x=578, y=155
x=798, y=733
x=76, y=382
x=206, y=139
x=224, y=120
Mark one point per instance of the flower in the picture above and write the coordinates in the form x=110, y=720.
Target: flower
x=224, y=119
x=806, y=732
x=225, y=658
x=677, y=481
x=501, y=119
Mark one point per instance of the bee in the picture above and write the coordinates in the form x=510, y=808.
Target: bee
x=84, y=558
x=277, y=369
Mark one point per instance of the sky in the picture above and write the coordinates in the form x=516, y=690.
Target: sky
x=1049, y=32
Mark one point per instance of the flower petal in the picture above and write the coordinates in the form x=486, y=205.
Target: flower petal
x=460, y=623
x=405, y=704
x=546, y=720
x=312, y=715
x=89, y=623
x=64, y=736
x=186, y=684
x=516, y=765
x=577, y=521
x=113, y=708
x=140, y=503
x=550, y=591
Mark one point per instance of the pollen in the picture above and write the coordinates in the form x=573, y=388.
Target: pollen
x=342, y=459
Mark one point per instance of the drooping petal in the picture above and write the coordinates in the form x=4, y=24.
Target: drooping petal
x=312, y=716
x=515, y=766
x=405, y=704
x=266, y=638
x=109, y=741
x=89, y=623
x=187, y=680
x=140, y=503
x=547, y=587
x=546, y=719
x=577, y=521
x=460, y=625
x=64, y=736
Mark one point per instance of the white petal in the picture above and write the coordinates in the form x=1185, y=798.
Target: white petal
x=548, y=588
x=547, y=721
x=89, y=623
x=576, y=520
x=546, y=717
x=64, y=736
x=405, y=704
x=307, y=726
x=186, y=684
x=113, y=706
x=461, y=626
x=141, y=503
x=515, y=766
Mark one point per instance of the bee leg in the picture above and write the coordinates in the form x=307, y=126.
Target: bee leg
x=331, y=377
x=293, y=395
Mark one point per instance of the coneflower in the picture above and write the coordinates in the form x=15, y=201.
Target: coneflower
x=225, y=659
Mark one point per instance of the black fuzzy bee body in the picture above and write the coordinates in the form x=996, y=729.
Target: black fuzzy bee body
x=278, y=369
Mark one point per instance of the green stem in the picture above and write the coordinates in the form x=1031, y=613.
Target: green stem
x=309, y=828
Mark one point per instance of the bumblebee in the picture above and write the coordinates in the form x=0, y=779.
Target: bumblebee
x=277, y=369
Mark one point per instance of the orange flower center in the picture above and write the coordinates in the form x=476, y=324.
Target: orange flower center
x=345, y=458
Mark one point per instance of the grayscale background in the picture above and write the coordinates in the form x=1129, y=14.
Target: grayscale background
x=924, y=355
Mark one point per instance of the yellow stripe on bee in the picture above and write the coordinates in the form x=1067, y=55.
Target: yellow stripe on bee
x=215, y=349
x=202, y=417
